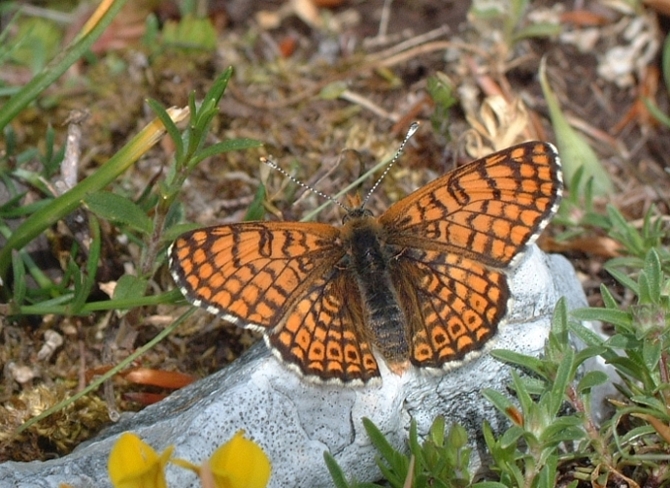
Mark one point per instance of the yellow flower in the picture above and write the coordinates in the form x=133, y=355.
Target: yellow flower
x=240, y=463
x=134, y=464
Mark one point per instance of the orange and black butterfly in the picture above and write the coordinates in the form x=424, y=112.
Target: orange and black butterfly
x=424, y=283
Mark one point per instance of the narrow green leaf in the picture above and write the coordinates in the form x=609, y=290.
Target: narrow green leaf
x=653, y=276
x=591, y=352
x=587, y=335
x=545, y=29
x=170, y=127
x=651, y=353
x=590, y=380
x=414, y=445
x=654, y=403
x=656, y=112
x=336, y=473
x=436, y=432
x=118, y=209
x=574, y=150
x=219, y=86
x=88, y=280
x=623, y=278
x=223, y=147
x=178, y=229
x=564, y=375
x=128, y=287
x=608, y=298
x=559, y=321
x=548, y=473
x=511, y=436
x=256, y=210
x=522, y=394
x=19, y=291
x=665, y=62
x=517, y=359
x=615, y=317
x=500, y=401
x=378, y=440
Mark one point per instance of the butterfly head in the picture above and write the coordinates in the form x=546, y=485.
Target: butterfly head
x=355, y=209
x=356, y=213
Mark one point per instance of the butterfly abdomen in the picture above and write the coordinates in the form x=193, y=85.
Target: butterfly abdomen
x=385, y=319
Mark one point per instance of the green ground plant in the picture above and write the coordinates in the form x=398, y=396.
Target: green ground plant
x=151, y=221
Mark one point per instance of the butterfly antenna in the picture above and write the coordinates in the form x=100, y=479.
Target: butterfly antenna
x=272, y=164
x=410, y=132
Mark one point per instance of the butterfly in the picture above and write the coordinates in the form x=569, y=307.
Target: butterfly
x=423, y=284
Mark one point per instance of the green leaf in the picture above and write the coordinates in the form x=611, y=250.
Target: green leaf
x=436, y=432
x=517, y=359
x=511, y=436
x=651, y=353
x=615, y=317
x=82, y=292
x=500, y=401
x=225, y=146
x=608, y=298
x=256, y=210
x=590, y=380
x=542, y=29
x=190, y=33
x=19, y=291
x=336, y=473
x=170, y=126
x=587, y=335
x=665, y=63
x=379, y=441
x=118, y=209
x=129, y=287
x=652, y=276
x=548, y=473
x=656, y=112
x=591, y=352
x=574, y=150
x=176, y=230
x=623, y=278
x=522, y=394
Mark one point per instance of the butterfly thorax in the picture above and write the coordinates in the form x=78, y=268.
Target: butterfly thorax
x=369, y=258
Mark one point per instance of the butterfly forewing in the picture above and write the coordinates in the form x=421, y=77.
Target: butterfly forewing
x=252, y=273
x=489, y=210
